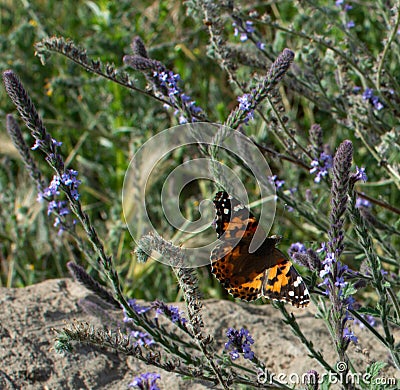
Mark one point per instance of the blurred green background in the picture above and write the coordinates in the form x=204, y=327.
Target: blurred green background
x=102, y=124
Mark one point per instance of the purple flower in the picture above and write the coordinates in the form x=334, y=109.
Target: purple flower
x=360, y=175
x=340, y=282
x=146, y=381
x=243, y=37
x=349, y=302
x=244, y=102
x=297, y=247
x=142, y=338
x=374, y=100
x=326, y=272
x=182, y=120
x=57, y=207
x=170, y=311
x=350, y=24
x=60, y=209
x=169, y=80
x=260, y=45
x=338, y=3
x=235, y=29
x=69, y=179
x=347, y=334
x=239, y=341
x=136, y=308
x=55, y=142
x=278, y=183
x=377, y=104
x=320, y=167
x=243, y=31
x=368, y=93
x=360, y=202
x=329, y=259
x=323, y=248
x=325, y=283
x=176, y=315
x=370, y=319
x=38, y=144
x=245, y=105
x=52, y=189
x=249, y=27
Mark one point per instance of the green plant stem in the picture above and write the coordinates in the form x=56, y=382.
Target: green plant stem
x=290, y=319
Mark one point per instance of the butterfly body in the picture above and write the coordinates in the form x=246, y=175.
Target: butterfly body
x=248, y=274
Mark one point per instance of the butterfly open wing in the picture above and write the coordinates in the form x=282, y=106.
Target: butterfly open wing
x=248, y=276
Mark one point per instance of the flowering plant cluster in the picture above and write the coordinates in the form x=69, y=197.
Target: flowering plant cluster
x=325, y=175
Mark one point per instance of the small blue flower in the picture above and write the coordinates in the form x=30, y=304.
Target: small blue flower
x=370, y=320
x=374, y=100
x=323, y=248
x=239, y=342
x=55, y=142
x=170, y=80
x=368, y=93
x=243, y=37
x=347, y=334
x=137, y=308
x=360, y=174
x=243, y=32
x=245, y=105
x=146, y=381
x=249, y=27
x=234, y=354
x=329, y=259
x=52, y=189
x=320, y=167
x=350, y=24
x=376, y=103
x=59, y=207
x=361, y=202
x=244, y=102
x=69, y=179
x=342, y=268
x=325, y=283
x=260, y=45
x=37, y=145
x=170, y=311
x=182, y=120
x=235, y=29
x=142, y=338
x=340, y=282
x=297, y=247
x=349, y=302
x=325, y=271
x=278, y=183
x=176, y=315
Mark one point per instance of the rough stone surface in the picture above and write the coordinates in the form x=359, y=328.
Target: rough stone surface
x=28, y=360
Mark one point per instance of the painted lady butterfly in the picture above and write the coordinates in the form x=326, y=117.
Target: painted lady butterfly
x=265, y=272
